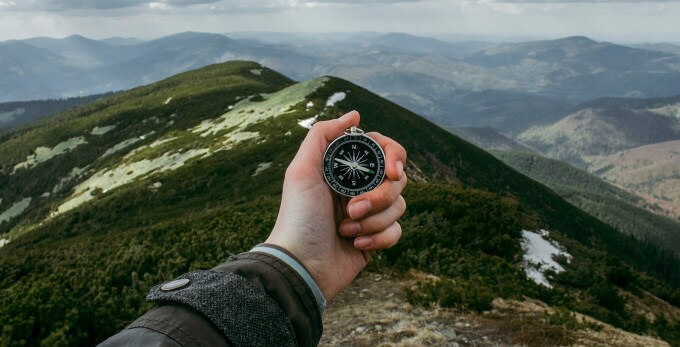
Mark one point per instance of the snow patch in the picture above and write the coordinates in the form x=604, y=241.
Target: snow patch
x=261, y=167
x=538, y=256
x=98, y=131
x=257, y=72
x=170, y=123
x=3, y=242
x=310, y=105
x=122, y=145
x=42, y=154
x=167, y=101
x=45, y=195
x=246, y=112
x=308, y=122
x=15, y=210
x=109, y=179
x=337, y=97
x=75, y=172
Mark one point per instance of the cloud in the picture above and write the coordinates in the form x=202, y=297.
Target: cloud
x=67, y=5
x=576, y=1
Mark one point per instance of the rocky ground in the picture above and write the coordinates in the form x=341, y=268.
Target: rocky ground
x=373, y=311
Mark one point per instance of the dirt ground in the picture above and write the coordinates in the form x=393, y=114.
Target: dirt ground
x=373, y=311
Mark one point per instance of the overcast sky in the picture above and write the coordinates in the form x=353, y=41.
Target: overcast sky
x=621, y=21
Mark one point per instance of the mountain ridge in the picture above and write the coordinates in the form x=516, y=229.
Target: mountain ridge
x=210, y=130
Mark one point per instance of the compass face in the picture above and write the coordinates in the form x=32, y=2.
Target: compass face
x=354, y=164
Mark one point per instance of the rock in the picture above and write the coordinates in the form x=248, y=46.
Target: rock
x=378, y=327
x=378, y=278
x=360, y=329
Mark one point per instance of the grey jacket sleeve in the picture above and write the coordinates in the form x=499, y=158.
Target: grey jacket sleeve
x=257, y=298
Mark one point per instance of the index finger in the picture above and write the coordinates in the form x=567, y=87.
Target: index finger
x=395, y=155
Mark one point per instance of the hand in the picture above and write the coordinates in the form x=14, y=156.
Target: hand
x=312, y=224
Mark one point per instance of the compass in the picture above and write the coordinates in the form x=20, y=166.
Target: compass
x=353, y=163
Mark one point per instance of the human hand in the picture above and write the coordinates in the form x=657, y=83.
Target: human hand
x=312, y=223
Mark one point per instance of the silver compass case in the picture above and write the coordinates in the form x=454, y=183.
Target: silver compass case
x=354, y=163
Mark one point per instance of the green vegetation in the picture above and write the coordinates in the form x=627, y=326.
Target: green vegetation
x=79, y=277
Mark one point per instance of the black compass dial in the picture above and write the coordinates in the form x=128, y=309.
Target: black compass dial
x=354, y=164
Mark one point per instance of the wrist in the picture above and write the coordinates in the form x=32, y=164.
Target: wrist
x=290, y=259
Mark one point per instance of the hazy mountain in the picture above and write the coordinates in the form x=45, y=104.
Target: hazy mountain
x=28, y=72
x=508, y=111
x=490, y=139
x=660, y=47
x=121, y=41
x=81, y=52
x=606, y=126
x=103, y=201
x=580, y=68
x=15, y=114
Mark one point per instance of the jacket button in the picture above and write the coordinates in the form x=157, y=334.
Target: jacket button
x=176, y=284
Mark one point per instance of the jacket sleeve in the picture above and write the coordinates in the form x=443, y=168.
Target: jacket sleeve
x=264, y=297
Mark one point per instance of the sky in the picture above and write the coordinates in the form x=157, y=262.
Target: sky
x=619, y=21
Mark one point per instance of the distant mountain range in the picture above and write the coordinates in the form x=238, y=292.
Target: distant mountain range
x=102, y=201
x=430, y=76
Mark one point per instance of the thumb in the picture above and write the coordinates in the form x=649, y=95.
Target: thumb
x=327, y=131
x=323, y=133
x=310, y=155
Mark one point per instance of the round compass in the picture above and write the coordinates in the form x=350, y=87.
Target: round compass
x=354, y=163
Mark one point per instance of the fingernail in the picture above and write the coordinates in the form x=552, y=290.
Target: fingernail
x=351, y=228
x=400, y=169
x=363, y=242
x=359, y=209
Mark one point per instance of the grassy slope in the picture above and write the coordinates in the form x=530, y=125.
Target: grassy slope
x=91, y=266
x=602, y=200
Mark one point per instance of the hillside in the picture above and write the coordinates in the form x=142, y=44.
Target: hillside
x=620, y=209
x=102, y=201
x=489, y=139
x=16, y=114
x=651, y=170
x=599, y=135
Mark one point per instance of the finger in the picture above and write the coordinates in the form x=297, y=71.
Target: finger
x=375, y=223
x=382, y=240
x=395, y=155
x=377, y=199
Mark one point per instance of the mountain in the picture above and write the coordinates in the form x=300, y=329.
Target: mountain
x=104, y=200
x=651, y=170
x=15, y=114
x=660, y=47
x=81, y=52
x=121, y=41
x=628, y=142
x=507, y=111
x=28, y=72
x=581, y=68
x=490, y=139
x=603, y=127
x=614, y=206
x=506, y=86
